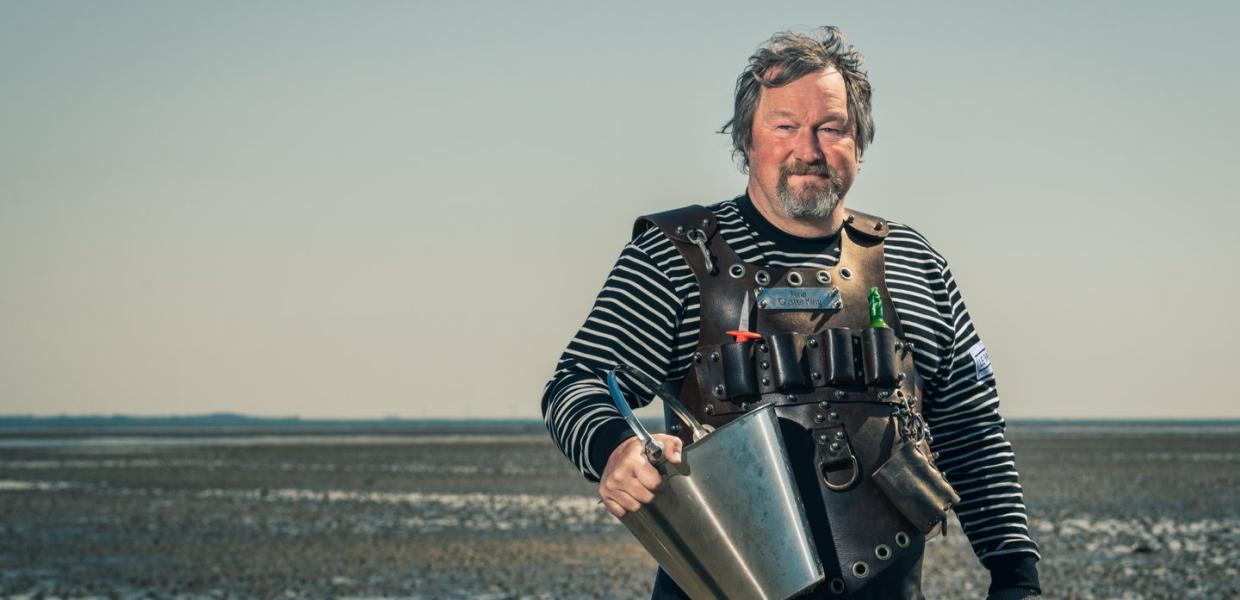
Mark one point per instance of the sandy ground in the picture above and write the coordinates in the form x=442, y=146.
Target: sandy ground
x=1134, y=512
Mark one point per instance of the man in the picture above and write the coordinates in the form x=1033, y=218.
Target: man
x=800, y=126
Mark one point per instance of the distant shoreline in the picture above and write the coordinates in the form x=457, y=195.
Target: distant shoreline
x=224, y=423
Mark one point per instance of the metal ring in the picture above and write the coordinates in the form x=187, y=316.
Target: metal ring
x=902, y=539
x=860, y=569
x=836, y=586
x=794, y=278
x=824, y=277
x=762, y=278
x=882, y=551
x=856, y=473
x=736, y=271
x=845, y=273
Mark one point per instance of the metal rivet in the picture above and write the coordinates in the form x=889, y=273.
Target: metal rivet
x=838, y=303
x=839, y=435
x=899, y=346
x=697, y=357
x=714, y=357
x=719, y=390
x=834, y=416
x=835, y=446
x=705, y=223
x=765, y=365
x=791, y=398
x=819, y=418
x=878, y=226
x=766, y=381
x=816, y=375
x=674, y=428
x=822, y=438
x=824, y=405
x=710, y=409
x=883, y=395
x=839, y=394
x=763, y=304
x=744, y=406
x=680, y=229
x=812, y=342
x=762, y=348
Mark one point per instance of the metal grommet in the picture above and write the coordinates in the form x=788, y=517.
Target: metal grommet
x=764, y=365
x=697, y=357
x=882, y=551
x=824, y=277
x=840, y=394
x=794, y=278
x=845, y=272
x=860, y=569
x=766, y=381
x=902, y=539
x=714, y=357
x=710, y=409
x=836, y=586
x=736, y=271
x=812, y=342
x=762, y=278
x=819, y=418
x=719, y=390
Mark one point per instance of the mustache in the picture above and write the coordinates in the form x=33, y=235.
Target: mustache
x=800, y=168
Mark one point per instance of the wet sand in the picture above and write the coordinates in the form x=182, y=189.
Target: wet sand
x=1120, y=512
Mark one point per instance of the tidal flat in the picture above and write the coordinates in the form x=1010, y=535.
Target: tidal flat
x=1120, y=511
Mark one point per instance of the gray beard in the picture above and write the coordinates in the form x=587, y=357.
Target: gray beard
x=814, y=202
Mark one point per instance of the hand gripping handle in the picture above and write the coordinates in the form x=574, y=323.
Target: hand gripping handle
x=653, y=449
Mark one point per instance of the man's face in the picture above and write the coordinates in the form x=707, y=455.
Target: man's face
x=803, y=156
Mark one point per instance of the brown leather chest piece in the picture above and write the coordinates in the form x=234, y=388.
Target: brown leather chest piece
x=835, y=383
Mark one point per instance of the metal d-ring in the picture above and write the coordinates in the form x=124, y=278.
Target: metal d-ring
x=794, y=278
x=736, y=271
x=839, y=487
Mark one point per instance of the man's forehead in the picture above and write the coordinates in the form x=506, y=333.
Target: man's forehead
x=821, y=89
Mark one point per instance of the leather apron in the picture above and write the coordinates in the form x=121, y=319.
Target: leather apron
x=840, y=390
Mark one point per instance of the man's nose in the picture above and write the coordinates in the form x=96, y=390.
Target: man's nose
x=807, y=149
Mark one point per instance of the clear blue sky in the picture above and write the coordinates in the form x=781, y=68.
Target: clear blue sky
x=339, y=209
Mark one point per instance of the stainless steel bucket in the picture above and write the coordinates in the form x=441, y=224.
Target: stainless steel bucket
x=728, y=522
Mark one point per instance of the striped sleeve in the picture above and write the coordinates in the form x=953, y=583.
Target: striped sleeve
x=633, y=322
x=962, y=409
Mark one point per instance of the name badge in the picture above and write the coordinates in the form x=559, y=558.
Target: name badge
x=797, y=298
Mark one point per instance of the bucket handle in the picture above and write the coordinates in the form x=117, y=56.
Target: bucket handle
x=653, y=448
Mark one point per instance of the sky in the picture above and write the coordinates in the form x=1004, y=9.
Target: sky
x=406, y=209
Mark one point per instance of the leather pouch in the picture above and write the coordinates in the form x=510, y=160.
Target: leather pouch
x=915, y=487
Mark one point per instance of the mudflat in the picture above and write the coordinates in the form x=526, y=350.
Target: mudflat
x=1120, y=511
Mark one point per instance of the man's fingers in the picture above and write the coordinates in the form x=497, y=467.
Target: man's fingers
x=614, y=508
x=624, y=499
x=672, y=446
x=648, y=477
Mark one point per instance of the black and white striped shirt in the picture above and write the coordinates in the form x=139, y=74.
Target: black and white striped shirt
x=647, y=316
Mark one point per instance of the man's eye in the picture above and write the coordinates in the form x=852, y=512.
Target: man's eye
x=831, y=130
x=785, y=127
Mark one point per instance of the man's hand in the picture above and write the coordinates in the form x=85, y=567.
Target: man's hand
x=629, y=480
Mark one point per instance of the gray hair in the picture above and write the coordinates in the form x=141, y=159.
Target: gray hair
x=788, y=56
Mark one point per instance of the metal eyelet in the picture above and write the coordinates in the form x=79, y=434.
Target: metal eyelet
x=902, y=539
x=736, y=271
x=794, y=278
x=860, y=569
x=836, y=586
x=882, y=551
x=762, y=278
x=824, y=277
x=845, y=273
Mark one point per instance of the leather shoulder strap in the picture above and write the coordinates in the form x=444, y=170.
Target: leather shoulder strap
x=677, y=223
x=865, y=224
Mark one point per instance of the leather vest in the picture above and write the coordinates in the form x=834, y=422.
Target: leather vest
x=842, y=390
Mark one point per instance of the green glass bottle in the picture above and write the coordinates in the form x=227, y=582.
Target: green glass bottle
x=876, y=310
